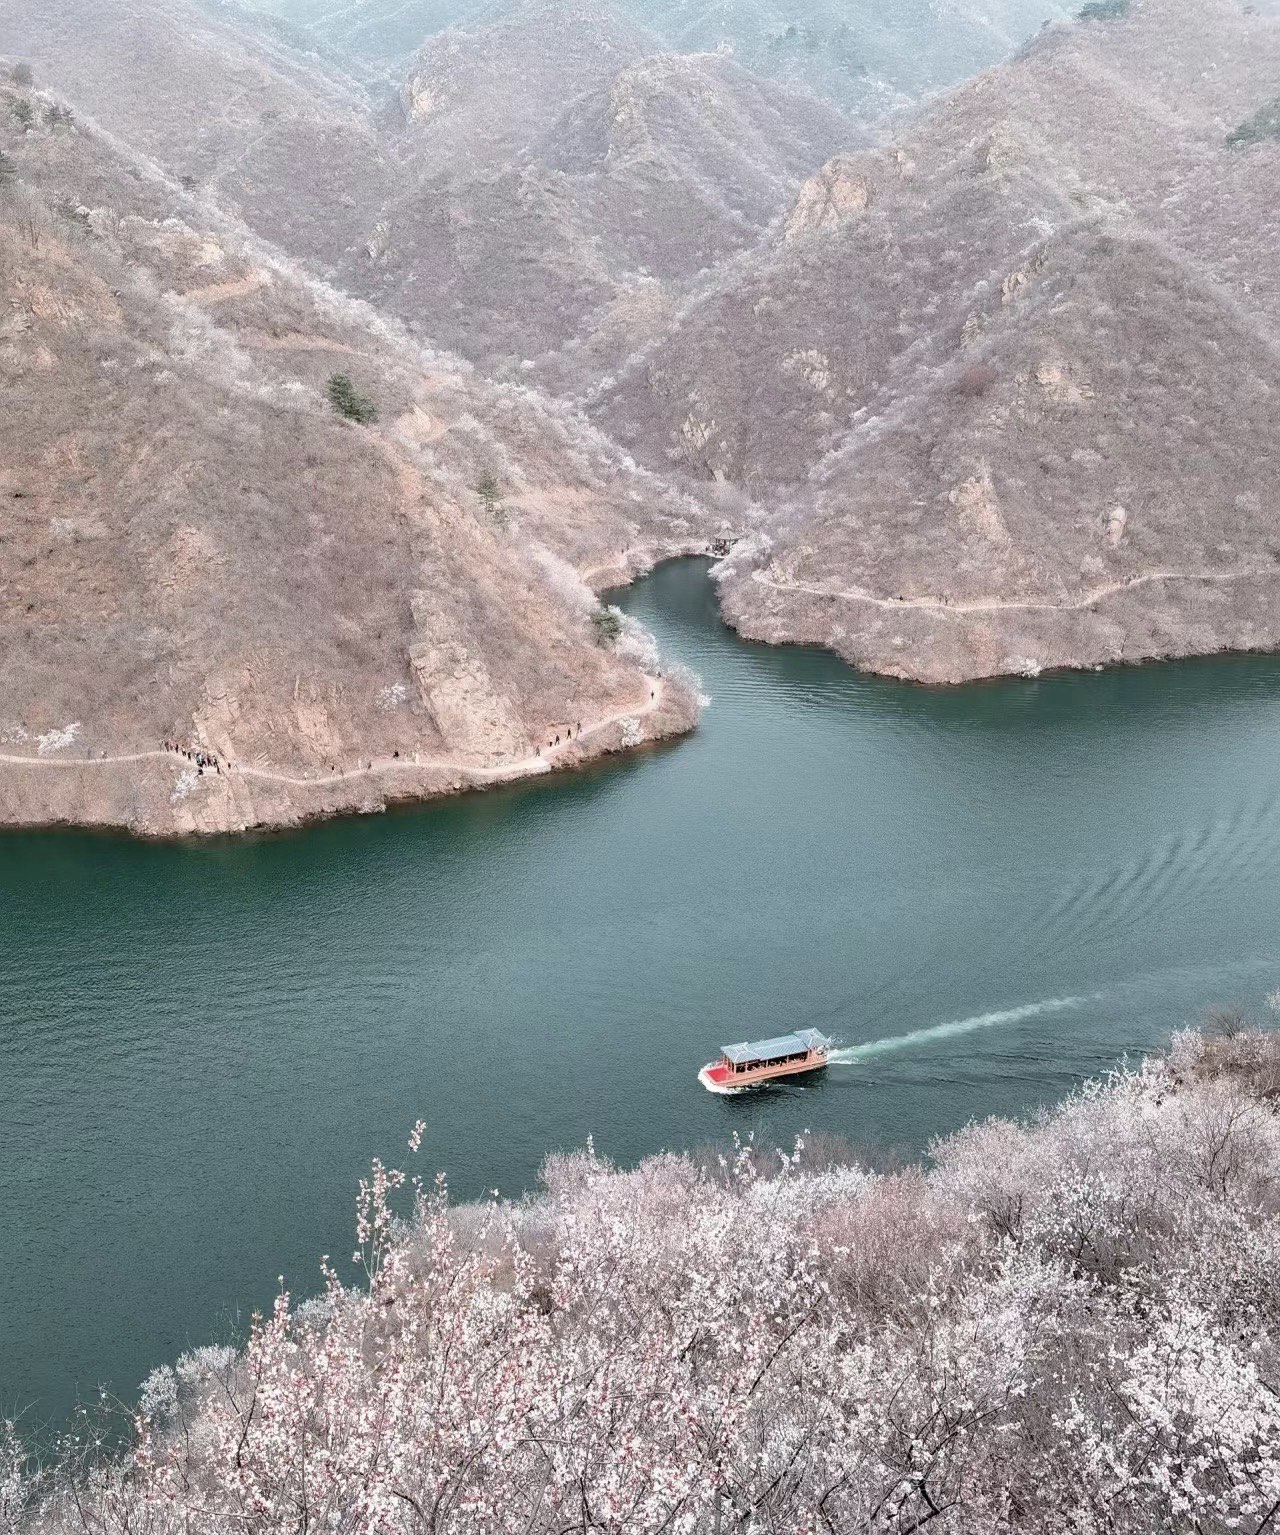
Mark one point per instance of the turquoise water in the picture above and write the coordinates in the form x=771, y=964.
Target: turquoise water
x=986, y=893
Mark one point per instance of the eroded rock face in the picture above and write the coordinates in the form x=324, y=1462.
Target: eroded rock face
x=829, y=200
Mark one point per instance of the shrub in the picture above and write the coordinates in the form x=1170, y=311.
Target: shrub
x=347, y=400
x=1104, y=10
x=1264, y=124
x=21, y=74
x=24, y=114
x=8, y=170
x=976, y=380
x=607, y=624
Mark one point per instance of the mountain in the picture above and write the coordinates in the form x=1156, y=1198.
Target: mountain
x=560, y=184
x=543, y=185
x=199, y=549
x=223, y=101
x=865, y=55
x=1009, y=387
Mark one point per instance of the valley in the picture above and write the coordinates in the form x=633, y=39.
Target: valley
x=972, y=384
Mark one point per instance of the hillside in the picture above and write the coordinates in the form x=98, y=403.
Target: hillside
x=561, y=185
x=198, y=549
x=1008, y=387
x=237, y=110
x=1076, y=1316
x=995, y=396
x=542, y=187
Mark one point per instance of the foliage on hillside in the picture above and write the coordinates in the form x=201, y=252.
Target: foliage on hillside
x=1104, y=10
x=347, y=400
x=1069, y=1325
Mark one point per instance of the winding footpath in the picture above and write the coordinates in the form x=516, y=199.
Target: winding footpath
x=541, y=762
x=991, y=605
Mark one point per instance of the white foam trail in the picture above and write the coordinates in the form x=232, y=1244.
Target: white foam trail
x=852, y=1054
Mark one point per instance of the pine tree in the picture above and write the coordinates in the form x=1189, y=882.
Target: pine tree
x=607, y=624
x=490, y=493
x=347, y=400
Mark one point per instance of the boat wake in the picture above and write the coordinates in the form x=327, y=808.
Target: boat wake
x=852, y=1055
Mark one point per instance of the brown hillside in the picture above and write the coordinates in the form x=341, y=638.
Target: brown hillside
x=1054, y=298
x=197, y=548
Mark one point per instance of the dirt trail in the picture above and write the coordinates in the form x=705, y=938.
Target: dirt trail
x=74, y=762
x=993, y=605
x=299, y=341
x=525, y=767
x=233, y=287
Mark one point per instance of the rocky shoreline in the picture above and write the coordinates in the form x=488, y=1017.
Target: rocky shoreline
x=939, y=642
x=156, y=795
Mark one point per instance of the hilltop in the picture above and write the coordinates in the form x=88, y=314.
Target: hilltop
x=1009, y=386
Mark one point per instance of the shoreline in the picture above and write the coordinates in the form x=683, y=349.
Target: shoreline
x=676, y=715
x=668, y=713
x=441, y=778
x=941, y=645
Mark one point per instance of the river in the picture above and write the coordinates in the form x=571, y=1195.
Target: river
x=986, y=893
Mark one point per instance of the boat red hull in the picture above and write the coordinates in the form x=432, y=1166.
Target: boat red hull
x=719, y=1077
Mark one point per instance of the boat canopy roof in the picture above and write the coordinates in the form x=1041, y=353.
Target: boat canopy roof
x=776, y=1049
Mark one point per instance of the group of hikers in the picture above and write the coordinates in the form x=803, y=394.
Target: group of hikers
x=209, y=760
x=201, y=758
x=556, y=740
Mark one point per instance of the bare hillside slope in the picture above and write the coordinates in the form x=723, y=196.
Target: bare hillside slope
x=199, y=551
x=576, y=221
x=1007, y=388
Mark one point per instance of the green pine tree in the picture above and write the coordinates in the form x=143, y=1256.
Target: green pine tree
x=347, y=400
x=490, y=493
x=607, y=624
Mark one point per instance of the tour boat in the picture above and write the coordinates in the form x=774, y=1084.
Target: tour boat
x=766, y=1060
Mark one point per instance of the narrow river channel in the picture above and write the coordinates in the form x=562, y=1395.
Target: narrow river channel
x=985, y=893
